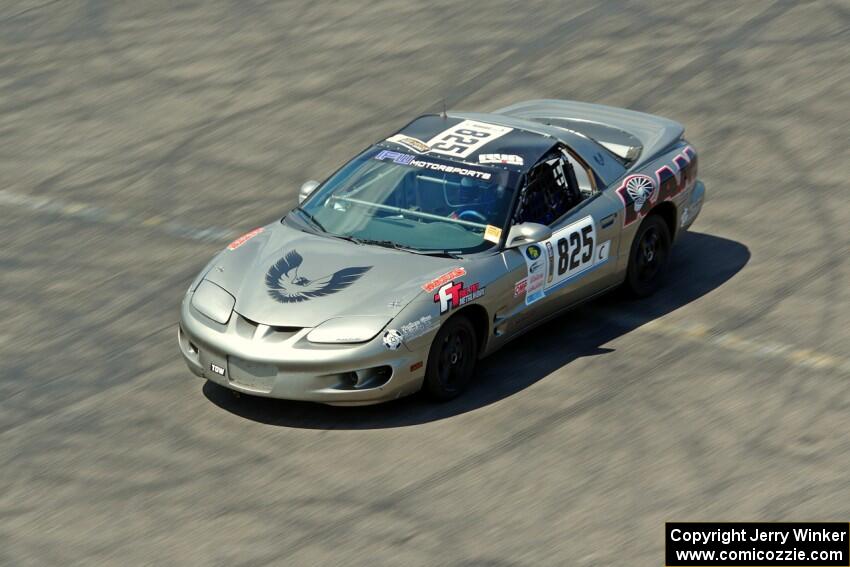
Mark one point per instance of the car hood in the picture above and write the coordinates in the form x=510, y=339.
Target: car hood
x=286, y=277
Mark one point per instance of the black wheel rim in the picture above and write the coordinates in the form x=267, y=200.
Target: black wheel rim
x=650, y=255
x=456, y=359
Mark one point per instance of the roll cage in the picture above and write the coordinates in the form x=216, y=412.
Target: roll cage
x=550, y=189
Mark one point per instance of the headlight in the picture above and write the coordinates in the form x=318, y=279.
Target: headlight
x=213, y=301
x=201, y=275
x=347, y=330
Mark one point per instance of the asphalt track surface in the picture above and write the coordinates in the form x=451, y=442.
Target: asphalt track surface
x=137, y=137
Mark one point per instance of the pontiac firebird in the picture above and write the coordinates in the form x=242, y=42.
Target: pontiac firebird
x=438, y=245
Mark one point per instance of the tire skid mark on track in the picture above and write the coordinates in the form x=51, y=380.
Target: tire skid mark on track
x=796, y=356
x=20, y=13
x=92, y=213
x=830, y=267
x=717, y=49
x=95, y=397
x=528, y=52
x=454, y=95
x=176, y=280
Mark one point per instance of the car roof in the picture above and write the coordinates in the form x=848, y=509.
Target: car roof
x=528, y=145
x=528, y=139
x=603, y=162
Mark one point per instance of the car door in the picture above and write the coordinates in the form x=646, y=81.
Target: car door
x=583, y=251
x=579, y=259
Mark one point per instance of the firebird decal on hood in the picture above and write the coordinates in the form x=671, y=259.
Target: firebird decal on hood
x=287, y=286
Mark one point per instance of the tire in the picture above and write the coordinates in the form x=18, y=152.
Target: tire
x=451, y=360
x=648, y=258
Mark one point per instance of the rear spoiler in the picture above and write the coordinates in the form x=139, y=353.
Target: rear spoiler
x=635, y=137
x=626, y=152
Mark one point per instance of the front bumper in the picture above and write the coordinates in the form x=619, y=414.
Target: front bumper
x=282, y=363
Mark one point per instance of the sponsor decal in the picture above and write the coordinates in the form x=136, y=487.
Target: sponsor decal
x=536, y=281
x=462, y=139
x=392, y=339
x=285, y=284
x=571, y=251
x=415, y=366
x=638, y=192
x=536, y=273
x=641, y=189
x=507, y=159
x=395, y=157
x=451, y=169
x=440, y=280
x=635, y=192
x=666, y=177
x=520, y=287
x=453, y=295
x=417, y=328
x=217, y=369
x=407, y=159
x=244, y=238
x=409, y=142
x=492, y=233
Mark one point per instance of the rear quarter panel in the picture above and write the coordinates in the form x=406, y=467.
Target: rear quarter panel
x=667, y=180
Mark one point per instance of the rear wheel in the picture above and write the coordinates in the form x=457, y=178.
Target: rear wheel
x=452, y=359
x=648, y=258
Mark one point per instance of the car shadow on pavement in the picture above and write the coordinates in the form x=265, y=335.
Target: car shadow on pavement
x=700, y=264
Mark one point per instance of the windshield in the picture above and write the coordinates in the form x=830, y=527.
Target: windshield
x=413, y=201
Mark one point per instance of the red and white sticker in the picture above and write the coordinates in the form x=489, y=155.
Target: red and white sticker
x=520, y=287
x=445, y=278
x=244, y=238
x=455, y=294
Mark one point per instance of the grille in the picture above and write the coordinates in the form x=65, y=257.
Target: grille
x=249, y=329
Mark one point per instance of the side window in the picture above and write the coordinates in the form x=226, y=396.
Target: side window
x=583, y=175
x=552, y=190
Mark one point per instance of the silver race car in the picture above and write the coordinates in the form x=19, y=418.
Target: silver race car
x=438, y=245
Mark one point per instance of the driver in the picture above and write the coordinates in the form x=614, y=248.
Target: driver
x=475, y=198
x=472, y=190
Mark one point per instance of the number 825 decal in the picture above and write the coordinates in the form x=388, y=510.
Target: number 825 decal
x=575, y=249
x=465, y=137
x=569, y=252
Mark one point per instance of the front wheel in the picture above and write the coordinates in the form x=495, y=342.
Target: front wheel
x=451, y=360
x=648, y=258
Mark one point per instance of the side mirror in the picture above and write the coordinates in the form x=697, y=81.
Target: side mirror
x=527, y=233
x=306, y=189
